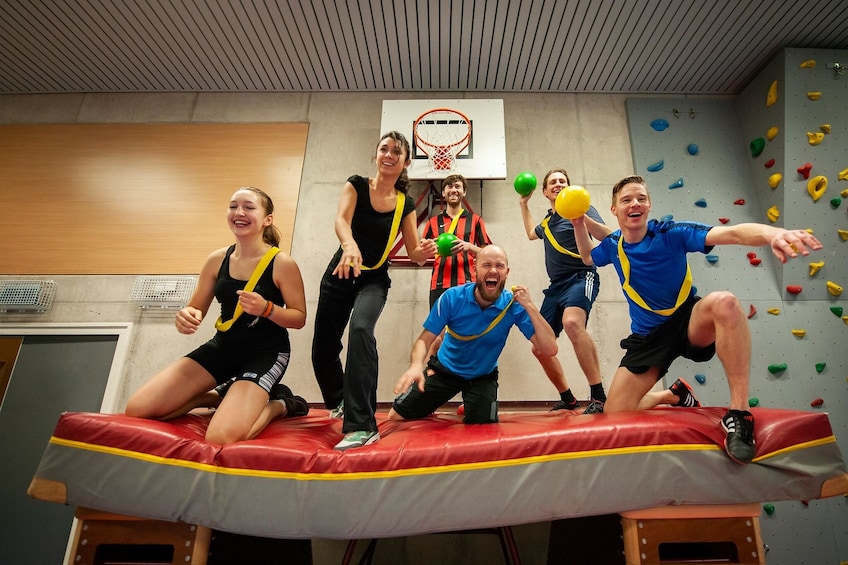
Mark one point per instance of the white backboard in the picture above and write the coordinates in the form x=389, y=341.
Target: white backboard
x=483, y=158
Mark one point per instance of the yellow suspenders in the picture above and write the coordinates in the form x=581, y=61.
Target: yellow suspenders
x=685, y=288
x=554, y=242
x=222, y=326
x=401, y=198
x=488, y=329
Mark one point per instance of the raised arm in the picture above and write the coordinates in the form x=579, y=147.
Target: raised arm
x=527, y=217
x=785, y=244
x=584, y=242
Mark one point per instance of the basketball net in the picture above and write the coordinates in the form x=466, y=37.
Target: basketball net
x=442, y=134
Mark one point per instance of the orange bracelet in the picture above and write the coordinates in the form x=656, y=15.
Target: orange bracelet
x=269, y=307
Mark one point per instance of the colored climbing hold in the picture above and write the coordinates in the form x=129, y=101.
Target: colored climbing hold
x=808, y=64
x=752, y=312
x=773, y=311
x=774, y=180
x=837, y=311
x=771, y=97
x=835, y=202
x=769, y=164
x=701, y=203
x=773, y=214
x=712, y=259
x=740, y=202
x=755, y=261
x=794, y=289
x=660, y=124
x=816, y=267
x=676, y=184
x=843, y=174
x=844, y=193
x=692, y=149
x=757, y=146
x=769, y=508
x=753, y=402
x=750, y=255
x=724, y=220
x=834, y=288
x=820, y=367
x=826, y=128
x=805, y=170
x=771, y=133
x=701, y=378
x=816, y=187
x=843, y=234
x=799, y=332
x=777, y=368
x=815, y=137
x=656, y=166
x=817, y=402
x=814, y=95
x=667, y=218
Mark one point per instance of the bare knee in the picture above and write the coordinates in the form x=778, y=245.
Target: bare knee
x=726, y=308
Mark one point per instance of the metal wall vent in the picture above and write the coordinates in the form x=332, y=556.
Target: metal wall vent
x=163, y=292
x=26, y=295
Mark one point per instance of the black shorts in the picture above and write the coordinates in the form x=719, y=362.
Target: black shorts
x=479, y=395
x=263, y=366
x=665, y=344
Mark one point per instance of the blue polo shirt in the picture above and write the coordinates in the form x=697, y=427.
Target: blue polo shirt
x=458, y=310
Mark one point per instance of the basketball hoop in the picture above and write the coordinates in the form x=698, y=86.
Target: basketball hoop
x=442, y=134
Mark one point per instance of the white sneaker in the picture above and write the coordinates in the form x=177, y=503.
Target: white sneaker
x=357, y=439
x=338, y=411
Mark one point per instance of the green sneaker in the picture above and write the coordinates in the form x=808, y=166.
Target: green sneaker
x=338, y=411
x=357, y=439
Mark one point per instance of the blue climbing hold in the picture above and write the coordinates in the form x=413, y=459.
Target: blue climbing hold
x=676, y=184
x=701, y=378
x=667, y=218
x=659, y=124
x=692, y=149
x=701, y=203
x=656, y=167
x=712, y=259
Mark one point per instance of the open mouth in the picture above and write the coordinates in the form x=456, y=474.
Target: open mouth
x=491, y=284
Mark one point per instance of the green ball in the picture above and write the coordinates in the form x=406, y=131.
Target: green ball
x=444, y=243
x=525, y=183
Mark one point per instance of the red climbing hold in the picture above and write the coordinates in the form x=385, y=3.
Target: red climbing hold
x=755, y=261
x=739, y=202
x=751, y=254
x=769, y=164
x=817, y=402
x=752, y=313
x=724, y=220
x=793, y=289
x=805, y=169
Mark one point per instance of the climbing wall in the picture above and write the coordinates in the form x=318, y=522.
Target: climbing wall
x=751, y=158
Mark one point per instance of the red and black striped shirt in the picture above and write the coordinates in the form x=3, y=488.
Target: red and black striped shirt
x=457, y=269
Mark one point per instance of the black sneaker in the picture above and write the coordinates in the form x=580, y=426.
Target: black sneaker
x=739, y=443
x=595, y=407
x=561, y=405
x=295, y=405
x=684, y=392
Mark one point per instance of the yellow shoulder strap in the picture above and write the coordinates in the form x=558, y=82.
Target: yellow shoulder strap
x=494, y=323
x=401, y=198
x=685, y=288
x=452, y=227
x=549, y=234
x=222, y=326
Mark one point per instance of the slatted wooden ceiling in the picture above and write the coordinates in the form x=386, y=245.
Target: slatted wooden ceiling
x=629, y=46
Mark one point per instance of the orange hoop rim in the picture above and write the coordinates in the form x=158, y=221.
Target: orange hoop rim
x=420, y=141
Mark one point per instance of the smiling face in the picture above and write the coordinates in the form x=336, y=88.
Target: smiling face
x=492, y=269
x=553, y=183
x=392, y=155
x=453, y=189
x=247, y=213
x=631, y=205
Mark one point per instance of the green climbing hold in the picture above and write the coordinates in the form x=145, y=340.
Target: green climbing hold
x=835, y=202
x=820, y=367
x=769, y=508
x=777, y=368
x=757, y=146
x=753, y=402
x=837, y=311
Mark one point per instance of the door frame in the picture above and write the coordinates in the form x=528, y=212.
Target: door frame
x=123, y=330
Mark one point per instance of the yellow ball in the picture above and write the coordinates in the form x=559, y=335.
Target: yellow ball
x=572, y=202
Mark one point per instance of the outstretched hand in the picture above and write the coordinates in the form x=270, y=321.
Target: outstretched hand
x=787, y=244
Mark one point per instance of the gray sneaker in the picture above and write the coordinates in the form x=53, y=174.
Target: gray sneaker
x=357, y=439
x=595, y=407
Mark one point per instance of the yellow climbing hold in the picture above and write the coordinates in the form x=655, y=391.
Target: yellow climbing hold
x=825, y=128
x=808, y=64
x=816, y=187
x=773, y=311
x=815, y=137
x=771, y=133
x=845, y=319
x=814, y=95
x=843, y=174
x=843, y=234
x=774, y=180
x=771, y=98
x=834, y=288
x=816, y=267
x=773, y=214
x=799, y=333
x=809, y=230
